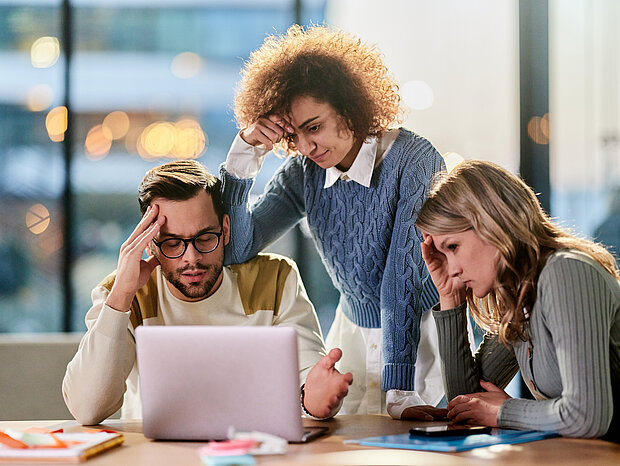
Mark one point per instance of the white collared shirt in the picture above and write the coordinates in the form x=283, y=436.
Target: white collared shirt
x=362, y=352
x=369, y=157
x=244, y=161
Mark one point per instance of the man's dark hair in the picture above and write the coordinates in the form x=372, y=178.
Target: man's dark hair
x=179, y=181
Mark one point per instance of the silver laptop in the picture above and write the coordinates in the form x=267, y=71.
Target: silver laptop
x=198, y=381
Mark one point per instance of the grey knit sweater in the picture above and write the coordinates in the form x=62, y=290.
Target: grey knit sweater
x=571, y=364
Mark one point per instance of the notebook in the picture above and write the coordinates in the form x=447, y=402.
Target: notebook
x=196, y=382
x=454, y=444
x=52, y=447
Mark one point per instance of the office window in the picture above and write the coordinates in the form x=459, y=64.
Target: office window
x=31, y=166
x=584, y=119
x=150, y=81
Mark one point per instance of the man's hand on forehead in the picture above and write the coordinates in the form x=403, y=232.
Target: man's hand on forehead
x=132, y=271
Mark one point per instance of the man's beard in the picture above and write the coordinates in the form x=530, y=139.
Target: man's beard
x=198, y=290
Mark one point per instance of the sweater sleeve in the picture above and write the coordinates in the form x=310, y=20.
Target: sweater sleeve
x=462, y=371
x=244, y=160
x=94, y=383
x=405, y=294
x=578, y=308
x=278, y=209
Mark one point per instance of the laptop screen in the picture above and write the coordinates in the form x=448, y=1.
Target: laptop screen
x=198, y=381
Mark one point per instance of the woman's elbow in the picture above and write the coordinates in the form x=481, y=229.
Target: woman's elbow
x=588, y=425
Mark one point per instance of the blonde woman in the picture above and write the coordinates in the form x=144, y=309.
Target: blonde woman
x=327, y=97
x=548, y=300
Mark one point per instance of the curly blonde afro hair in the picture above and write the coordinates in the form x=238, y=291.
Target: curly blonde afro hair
x=330, y=66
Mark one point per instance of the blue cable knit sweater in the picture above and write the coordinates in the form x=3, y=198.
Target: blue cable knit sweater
x=366, y=238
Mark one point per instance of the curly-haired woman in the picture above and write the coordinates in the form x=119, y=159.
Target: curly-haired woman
x=550, y=303
x=360, y=182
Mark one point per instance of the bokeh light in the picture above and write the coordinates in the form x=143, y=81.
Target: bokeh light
x=37, y=218
x=184, y=139
x=56, y=123
x=132, y=138
x=538, y=129
x=190, y=140
x=51, y=241
x=98, y=142
x=544, y=126
x=117, y=123
x=142, y=152
x=40, y=98
x=186, y=65
x=158, y=138
x=452, y=159
x=418, y=95
x=44, y=52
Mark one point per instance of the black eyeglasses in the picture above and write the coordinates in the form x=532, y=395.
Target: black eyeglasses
x=173, y=248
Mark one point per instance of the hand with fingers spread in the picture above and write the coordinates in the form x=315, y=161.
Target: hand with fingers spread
x=133, y=272
x=478, y=408
x=326, y=387
x=267, y=131
x=450, y=288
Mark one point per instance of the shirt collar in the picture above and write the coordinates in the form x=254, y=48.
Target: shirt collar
x=361, y=169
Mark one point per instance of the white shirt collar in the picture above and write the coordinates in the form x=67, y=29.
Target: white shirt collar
x=370, y=155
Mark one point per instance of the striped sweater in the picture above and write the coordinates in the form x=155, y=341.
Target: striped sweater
x=571, y=363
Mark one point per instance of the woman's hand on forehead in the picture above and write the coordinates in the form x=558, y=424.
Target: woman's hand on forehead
x=267, y=131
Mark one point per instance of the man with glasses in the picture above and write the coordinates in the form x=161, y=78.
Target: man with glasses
x=183, y=281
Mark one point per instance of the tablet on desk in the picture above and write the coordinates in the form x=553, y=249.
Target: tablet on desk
x=198, y=381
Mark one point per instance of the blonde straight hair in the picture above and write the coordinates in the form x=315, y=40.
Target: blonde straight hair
x=504, y=212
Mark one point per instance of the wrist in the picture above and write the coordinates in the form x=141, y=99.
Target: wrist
x=308, y=413
x=246, y=139
x=451, y=301
x=119, y=301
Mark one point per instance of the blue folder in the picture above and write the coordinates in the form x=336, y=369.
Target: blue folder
x=452, y=444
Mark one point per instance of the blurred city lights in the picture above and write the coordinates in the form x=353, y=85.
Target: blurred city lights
x=452, y=159
x=184, y=139
x=538, y=129
x=186, y=65
x=131, y=139
x=117, y=123
x=190, y=140
x=158, y=138
x=56, y=123
x=37, y=219
x=40, y=98
x=44, y=52
x=52, y=241
x=142, y=152
x=98, y=142
x=544, y=126
x=418, y=95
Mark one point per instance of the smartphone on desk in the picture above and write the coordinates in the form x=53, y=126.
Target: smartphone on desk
x=451, y=430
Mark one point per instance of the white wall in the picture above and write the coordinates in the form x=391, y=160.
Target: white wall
x=466, y=51
x=584, y=83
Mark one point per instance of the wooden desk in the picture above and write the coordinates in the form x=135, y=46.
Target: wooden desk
x=330, y=450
